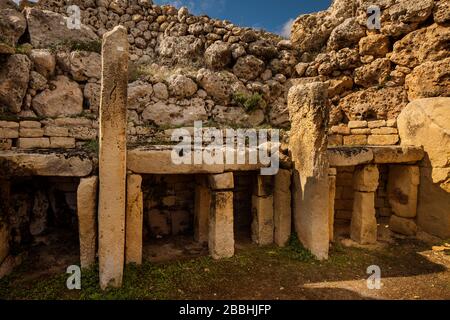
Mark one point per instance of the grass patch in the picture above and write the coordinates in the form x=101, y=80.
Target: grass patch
x=249, y=102
x=295, y=250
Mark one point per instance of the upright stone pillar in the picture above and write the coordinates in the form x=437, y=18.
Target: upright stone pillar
x=308, y=112
x=364, y=222
x=282, y=213
x=262, y=211
x=112, y=157
x=87, y=220
x=331, y=199
x=134, y=220
x=202, y=210
x=221, y=220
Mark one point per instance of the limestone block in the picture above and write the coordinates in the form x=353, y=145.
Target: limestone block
x=262, y=224
x=331, y=200
x=383, y=140
x=407, y=227
x=112, y=157
x=34, y=143
x=221, y=231
x=62, y=142
x=223, y=181
x=346, y=157
x=31, y=132
x=9, y=133
x=87, y=220
x=308, y=112
x=355, y=140
x=403, y=187
x=364, y=223
x=134, y=220
x=366, y=179
x=397, y=154
x=357, y=124
x=201, y=214
x=282, y=212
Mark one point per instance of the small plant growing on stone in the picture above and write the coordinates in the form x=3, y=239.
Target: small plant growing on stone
x=92, y=146
x=249, y=103
x=296, y=250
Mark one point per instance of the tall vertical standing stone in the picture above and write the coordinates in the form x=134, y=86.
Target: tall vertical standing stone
x=202, y=209
x=87, y=220
x=282, y=212
x=331, y=199
x=262, y=211
x=134, y=220
x=364, y=222
x=112, y=157
x=308, y=112
x=221, y=219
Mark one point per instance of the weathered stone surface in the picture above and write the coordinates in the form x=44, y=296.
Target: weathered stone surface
x=311, y=31
x=218, y=55
x=85, y=65
x=347, y=34
x=402, y=188
x=376, y=45
x=441, y=12
x=87, y=220
x=202, y=209
x=65, y=99
x=162, y=113
x=349, y=156
x=366, y=179
x=430, y=79
x=264, y=186
x=223, y=181
x=221, y=233
x=33, y=143
x=134, y=220
x=181, y=50
x=262, y=223
x=282, y=213
x=44, y=62
x=47, y=28
x=308, y=144
x=426, y=44
x=112, y=157
x=397, y=154
x=376, y=73
x=220, y=85
x=383, y=139
x=161, y=91
x=160, y=162
x=262, y=48
x=404, y=226
x=331, y=202
x=12, y=26
x=139, y=94
x=49, y=165
x=248, y=67
x=14, y=78
x=433, y=213
x=364, y=222
x=425, y=122
x=385, y=103
x=182, y=86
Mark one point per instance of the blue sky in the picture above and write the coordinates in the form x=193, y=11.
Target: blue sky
x=272, y=15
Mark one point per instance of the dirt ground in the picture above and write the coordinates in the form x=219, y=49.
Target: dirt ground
x=410, y=269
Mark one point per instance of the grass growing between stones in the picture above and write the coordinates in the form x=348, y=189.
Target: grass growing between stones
x=254, y=273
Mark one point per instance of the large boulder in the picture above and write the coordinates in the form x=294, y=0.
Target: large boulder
x=181, y=86
x=430, y=79
x=64, y=98
x=374, y=103
x=14, y=78
x=310, y=32
x=139, y=94
x=85, y=65
x=426, y=122
x=44, y=61
x=220, y=85
x=47, y=28
x=218, y=55
x=373, y=74
x=441, y=12
x=12, y=26
x=248, y=67
x=163, y=114
x=263, y=48
x=426, y=44
x=347, y=34
x=181, y=50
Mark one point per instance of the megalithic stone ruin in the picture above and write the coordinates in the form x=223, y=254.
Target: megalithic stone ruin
x=112, y=157
x=308, y=143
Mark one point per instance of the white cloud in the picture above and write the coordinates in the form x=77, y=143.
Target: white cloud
x=286, y=29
